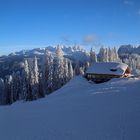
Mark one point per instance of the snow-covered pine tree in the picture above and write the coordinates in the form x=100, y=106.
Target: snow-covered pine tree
x=101, y=55
x=66, y=71
x=70, y=70
x=47, y=73
x=55, y=73
x=36, y=71
x=41, y=90
x=58, y=75
x=106, y=55
x=109, y=55
x=2, y=92
x=8, y=90
x=59, y=52
x=138, y=62
x=26, y=87
x=35, y=79
x=16, y=86
x=82, y=71
x=93, y=57
x=77, y=69
x=115, y=54
x=86, y=66
x=50, y=74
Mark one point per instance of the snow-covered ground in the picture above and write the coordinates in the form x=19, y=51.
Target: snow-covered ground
x=78, y=111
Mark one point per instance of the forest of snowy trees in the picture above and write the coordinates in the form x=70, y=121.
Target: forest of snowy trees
x=130, y=55
x=40, y=77
x=35, y=81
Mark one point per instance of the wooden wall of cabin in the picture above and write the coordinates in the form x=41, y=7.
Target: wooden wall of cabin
x=100, y=77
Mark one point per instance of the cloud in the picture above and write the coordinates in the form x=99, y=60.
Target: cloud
x=128, y=2
x=112, y=35
x=139, y=12
x=91, y=40
x=87, y=40
x=66, y=39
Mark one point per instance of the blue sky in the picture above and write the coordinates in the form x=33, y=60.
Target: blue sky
x=26, y=24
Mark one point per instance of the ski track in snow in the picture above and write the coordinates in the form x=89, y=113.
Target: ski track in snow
x=78, y=111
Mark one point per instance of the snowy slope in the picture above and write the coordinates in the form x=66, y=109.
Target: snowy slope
x=78, y=111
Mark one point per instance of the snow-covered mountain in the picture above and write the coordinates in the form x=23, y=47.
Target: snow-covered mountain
x=128, y=54
x=78, y=111
x=70, y=51
x=128, y=49
x=13, y=62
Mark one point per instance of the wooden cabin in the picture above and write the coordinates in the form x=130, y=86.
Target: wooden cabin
x=104, y=71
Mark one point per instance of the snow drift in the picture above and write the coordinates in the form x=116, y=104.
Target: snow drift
x=78, y=111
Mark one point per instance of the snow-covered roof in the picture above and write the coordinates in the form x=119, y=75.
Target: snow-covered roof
x=112, y=68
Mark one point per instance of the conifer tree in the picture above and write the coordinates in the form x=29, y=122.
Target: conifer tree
x=2, y=92
x=93, y=57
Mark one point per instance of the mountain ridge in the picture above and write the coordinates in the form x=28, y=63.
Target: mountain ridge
x=13, y=61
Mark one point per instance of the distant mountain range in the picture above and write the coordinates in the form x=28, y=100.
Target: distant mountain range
x=129, y=49
x=76, y=52
x=13, y=61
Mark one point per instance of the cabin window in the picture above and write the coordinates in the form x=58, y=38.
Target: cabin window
x=90, y=76
x=113, y=70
